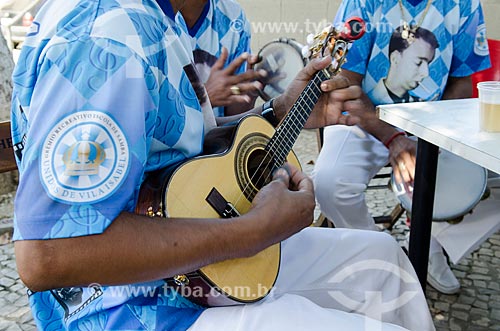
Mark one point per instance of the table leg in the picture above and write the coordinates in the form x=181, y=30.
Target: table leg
x=422, y=208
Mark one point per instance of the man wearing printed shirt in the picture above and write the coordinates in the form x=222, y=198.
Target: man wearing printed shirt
x=105, y=92
x=351, y=156
x=221, y=36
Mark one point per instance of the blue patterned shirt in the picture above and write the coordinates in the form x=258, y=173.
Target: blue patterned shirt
x=222, y=24
x=458, y=27
x=103, y=93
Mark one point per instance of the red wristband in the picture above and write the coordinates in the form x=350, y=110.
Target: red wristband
x=389, y=141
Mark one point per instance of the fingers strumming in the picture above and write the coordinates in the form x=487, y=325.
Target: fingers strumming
x=253, y=59
x=239, y=99
x=282, y=174
x=298, y=180
x=236, y=63
x=250, y=87
x=221, y=61
x=250, y=75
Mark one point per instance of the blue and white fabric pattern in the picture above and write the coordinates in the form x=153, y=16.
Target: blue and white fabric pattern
x=462, y=49
x=222, y=24
x=102, y=95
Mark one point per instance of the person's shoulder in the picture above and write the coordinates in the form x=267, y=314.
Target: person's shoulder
x=373, y=3
x=228, y=6
x=368, y=7
x=124, y=26
x=69, y=20
x=136, y=16
x=370, y=3
x=81, y=26
x=467, y=7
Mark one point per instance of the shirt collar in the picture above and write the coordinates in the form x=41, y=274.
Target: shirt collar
x=196, y=27
x=167, y=9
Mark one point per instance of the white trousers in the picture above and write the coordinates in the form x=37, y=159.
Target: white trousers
x=333, y=279
x=348, y=160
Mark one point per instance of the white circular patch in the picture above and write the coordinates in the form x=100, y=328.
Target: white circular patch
x=85, y=158
x=481, y=43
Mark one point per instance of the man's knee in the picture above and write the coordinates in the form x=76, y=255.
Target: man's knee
x=336, y=190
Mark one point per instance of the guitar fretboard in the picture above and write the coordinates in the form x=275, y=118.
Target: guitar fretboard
x=288, y=131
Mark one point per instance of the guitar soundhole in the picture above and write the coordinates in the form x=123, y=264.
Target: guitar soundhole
x=252, y=166
x=260, y=167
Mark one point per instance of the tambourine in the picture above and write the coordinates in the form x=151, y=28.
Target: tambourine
x=460, y=186
x=282, y=59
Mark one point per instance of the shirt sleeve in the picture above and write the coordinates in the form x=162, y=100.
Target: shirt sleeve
x=359, y=53
x=86, y=137
x=470, y=46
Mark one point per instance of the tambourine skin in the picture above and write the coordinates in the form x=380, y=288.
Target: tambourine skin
x=282, y=60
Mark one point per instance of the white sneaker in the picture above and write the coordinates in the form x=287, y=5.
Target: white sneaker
x=440, y=276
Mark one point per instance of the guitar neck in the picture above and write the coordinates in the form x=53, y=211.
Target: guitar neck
x=289, y=129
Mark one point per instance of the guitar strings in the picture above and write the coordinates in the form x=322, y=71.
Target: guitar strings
x=280, y=147
x=272, y=144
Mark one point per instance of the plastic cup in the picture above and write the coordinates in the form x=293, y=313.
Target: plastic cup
x=489, y=106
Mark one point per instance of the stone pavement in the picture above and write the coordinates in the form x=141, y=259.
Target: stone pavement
x=475, y=308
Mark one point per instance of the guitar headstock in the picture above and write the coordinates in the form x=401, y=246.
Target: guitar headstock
x=331, y=41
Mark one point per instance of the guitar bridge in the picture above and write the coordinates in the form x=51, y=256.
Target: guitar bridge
x=224, y=208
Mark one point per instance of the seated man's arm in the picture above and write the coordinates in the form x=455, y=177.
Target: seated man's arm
x=137, y=248
x=369, y=120
x=402, y=150
x=132, y=249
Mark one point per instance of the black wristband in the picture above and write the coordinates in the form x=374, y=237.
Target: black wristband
x=269, y=114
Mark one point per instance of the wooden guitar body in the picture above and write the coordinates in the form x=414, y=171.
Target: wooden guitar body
x=224, y=181
x=182, y=191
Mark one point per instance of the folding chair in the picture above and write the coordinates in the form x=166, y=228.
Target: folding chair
x=7, y=160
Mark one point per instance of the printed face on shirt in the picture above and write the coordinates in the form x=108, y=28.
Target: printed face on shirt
x=204, y=62
x=410, y=66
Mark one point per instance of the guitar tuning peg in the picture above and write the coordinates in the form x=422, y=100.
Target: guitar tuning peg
x=306, y=52
x=310, y=39
x=327, y=29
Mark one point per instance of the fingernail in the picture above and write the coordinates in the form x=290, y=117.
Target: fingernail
x=280, y=172
x=262, y=72
x=324, y=86
x=258, y=85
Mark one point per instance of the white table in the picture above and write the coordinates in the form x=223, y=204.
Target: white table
x=454, y=126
